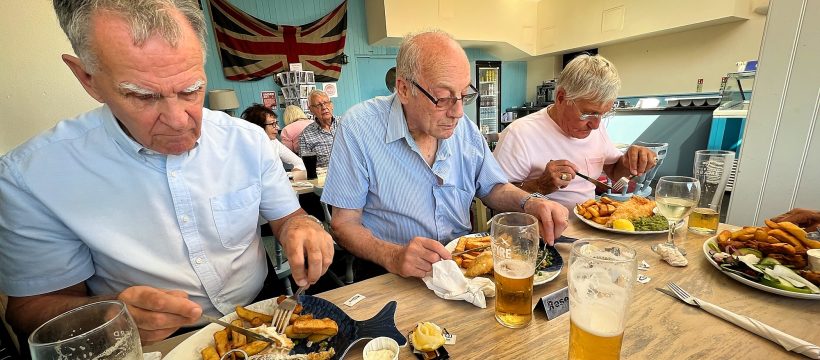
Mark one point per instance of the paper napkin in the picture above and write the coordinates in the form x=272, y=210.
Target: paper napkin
x=448, y=282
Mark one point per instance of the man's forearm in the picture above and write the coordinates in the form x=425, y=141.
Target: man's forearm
x=25, y=314
x=360, y=242
x=505, y=197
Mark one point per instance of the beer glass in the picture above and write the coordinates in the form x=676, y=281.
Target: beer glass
x=514, y=239
x=103, y=330
x=712, y=168
x=310, y=165
x=601, y=273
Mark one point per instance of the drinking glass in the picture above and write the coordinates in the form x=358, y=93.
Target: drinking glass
x=514, y=238
x=600, y=277
x=675, y=197
x=712, y=168
x=102, y=330
x=310, y=165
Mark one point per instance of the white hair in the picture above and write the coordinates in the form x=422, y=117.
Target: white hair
x=592, y=78
x=409, y=60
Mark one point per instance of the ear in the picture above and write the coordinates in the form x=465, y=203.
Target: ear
x=560, y=96
x=403, y=90
x=84, y=77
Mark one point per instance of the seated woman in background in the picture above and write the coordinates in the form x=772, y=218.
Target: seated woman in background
x=295, y=123
x=266, y=119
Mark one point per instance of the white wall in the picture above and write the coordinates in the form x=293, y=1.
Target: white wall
x=38, y=89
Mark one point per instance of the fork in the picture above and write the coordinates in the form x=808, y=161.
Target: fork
x=283, y=312
x=621, y=183
x=787, y=341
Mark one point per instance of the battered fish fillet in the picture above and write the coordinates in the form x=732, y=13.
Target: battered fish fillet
x=483, y=264
x=634, y=208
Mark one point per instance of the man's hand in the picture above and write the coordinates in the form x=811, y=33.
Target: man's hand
x=157, y=312
x=302, y=237
x=552, y=216
x=638, y=160
x=557, y=175
x=417, y=258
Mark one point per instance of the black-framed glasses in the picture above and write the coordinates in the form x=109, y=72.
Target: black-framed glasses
x=274, y=124
x=321, y=105
x=447, y=102
x=592, y=116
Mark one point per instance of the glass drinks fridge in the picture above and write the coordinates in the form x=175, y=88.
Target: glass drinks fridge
x=103, y=330
x=514, y=242
x=600, y=275
x=712, y=168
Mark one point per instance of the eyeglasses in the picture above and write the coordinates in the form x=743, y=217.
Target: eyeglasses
x=593, y=116
x=274, y=124
x=321, y=105
x=447, y=102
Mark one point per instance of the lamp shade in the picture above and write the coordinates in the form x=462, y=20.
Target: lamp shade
x=224, y=99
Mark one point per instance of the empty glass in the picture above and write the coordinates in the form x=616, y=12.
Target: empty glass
x=102, y=330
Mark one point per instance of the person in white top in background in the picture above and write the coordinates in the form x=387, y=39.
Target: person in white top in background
x=265, y=118
x=543, y=151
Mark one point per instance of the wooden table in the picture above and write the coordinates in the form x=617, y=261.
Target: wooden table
x=659, y=327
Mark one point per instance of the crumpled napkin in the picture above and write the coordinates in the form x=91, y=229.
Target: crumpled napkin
x=152, y=355
x=448, y=282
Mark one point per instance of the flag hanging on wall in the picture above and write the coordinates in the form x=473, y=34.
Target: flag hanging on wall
x=251, y=49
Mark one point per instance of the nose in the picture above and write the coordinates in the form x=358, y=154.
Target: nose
x=456, y=111
x=172, y=113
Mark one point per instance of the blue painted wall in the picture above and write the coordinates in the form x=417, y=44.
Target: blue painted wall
x=289, y=12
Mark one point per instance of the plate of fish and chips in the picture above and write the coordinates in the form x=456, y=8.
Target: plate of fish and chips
x=636, y=216
x=480, y=262
x=332, y=329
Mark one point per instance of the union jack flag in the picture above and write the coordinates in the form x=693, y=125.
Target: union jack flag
x=252, y=49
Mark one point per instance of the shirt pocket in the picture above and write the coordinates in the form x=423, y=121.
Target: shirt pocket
x=454, y=205
x=236, y=216
x=595, y=165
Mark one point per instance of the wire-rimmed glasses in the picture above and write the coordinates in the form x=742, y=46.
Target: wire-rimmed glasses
x=447, y=102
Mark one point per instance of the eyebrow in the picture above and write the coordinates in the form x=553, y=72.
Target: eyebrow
x=127, y=86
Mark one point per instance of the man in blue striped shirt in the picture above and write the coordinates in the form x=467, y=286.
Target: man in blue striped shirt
x=405, y=168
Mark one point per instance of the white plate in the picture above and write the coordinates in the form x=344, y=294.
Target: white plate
x=751, y=283
x=544, y=278
x=603, y=227
x=189, y=349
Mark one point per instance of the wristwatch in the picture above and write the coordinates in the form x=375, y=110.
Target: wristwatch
x=533, y=195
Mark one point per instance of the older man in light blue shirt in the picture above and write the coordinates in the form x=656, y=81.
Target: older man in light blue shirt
x=405, y=168
x=150, y=199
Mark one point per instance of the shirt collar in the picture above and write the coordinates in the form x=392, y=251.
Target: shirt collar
x=129, y=145
x=397, y=129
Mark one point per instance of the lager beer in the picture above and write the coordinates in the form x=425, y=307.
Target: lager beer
x=513, y=304
x=600, y=342
x=704, y=221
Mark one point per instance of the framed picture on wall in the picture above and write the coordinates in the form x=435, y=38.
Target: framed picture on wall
x=269, y=99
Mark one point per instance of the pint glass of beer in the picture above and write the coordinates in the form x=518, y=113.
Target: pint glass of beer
x=515, y=250
x=600, y=276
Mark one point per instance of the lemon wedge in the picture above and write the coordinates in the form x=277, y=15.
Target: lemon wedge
x=427, y=337
x=623, y=224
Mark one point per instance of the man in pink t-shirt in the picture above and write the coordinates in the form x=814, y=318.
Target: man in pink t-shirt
x=543, y=151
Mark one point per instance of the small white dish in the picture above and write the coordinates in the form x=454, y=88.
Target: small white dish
x=381, y=343
x=814, y=259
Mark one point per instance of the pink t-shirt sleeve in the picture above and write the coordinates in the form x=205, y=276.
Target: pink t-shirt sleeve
x=511, y=155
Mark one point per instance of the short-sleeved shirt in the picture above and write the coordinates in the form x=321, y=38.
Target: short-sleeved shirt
x=318, y=141
x=526, y=146
x=85, y=202
x=377, y=167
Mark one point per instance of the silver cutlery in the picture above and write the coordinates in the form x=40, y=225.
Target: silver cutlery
x=593, y=181
x=243, y=331
x=283, y=312
x=787, y=341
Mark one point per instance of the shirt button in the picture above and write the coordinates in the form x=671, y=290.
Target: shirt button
x=185, y=218
x=199, y=260
x=174, y=174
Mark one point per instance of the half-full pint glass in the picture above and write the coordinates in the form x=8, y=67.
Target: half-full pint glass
x=515, y=250
x=600, y=276
x=101, y=330
x=712, y=168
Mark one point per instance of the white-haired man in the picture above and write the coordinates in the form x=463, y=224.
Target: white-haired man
x=406, y=167
x=150, y=199
x=543, y=151
x=317, y=137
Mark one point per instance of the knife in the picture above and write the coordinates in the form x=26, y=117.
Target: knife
x=669, y=292
x=480, y=248
x=596, y=182
x=243, y=331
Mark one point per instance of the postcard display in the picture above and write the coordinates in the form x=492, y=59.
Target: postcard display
x=296, y=85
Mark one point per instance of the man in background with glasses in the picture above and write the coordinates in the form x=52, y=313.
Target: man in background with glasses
x=406, y=167
x=317, y=138
x=543, y=151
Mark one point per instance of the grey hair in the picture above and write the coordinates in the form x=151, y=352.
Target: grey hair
x=592, y=78
x=145, y=17
x=315, y=93
x=409, y=60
